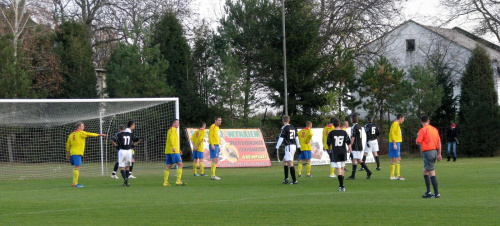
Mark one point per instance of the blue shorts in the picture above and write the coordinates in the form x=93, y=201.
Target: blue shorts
x=76, y=160
x=395, y=153
x=172, y=158
x=197, y=155
x=214, y=153
x=305, y=155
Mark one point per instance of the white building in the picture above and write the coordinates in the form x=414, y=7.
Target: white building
x=411, y=43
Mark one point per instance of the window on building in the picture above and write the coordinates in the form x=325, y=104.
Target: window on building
x=410, y=45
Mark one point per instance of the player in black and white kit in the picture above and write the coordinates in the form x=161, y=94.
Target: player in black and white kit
x=289, y=137
x=121, y=128
x=356, y=148
x=336, y=141
x=372, y=132
x=125, y=141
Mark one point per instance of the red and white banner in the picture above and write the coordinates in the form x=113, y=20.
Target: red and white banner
x=238, y=148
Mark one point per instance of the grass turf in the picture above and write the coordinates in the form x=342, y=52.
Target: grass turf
x=469, y=188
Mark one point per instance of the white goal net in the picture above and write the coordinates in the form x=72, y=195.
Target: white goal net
x=33, y=134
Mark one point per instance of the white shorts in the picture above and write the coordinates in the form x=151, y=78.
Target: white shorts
x=289, y=152
x=338, y=165
x=124, y=158
x=357, y=154
x=373, y=146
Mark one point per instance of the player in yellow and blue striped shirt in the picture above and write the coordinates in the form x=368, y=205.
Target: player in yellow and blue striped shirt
x=198, y=140
x=173, y=154
x=305, y=136
x=395, y=139
x=214, y=142
x=326, y=130
x=75, y=147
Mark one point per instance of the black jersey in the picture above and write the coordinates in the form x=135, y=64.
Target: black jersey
x=356, y=134
x=337, y=140
x=288, y=133
x=125, y=140
x=372, y=131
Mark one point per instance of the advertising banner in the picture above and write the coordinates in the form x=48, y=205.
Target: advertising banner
x=238, y=148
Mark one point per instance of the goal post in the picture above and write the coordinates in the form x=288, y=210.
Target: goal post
x=33, y=134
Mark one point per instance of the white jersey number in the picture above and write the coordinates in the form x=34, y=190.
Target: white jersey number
x=339, y=140
x=126, y=140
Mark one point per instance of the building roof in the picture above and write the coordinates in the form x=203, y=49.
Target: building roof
x=466, y=39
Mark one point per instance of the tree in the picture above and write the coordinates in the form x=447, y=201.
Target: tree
x=446, y=112
x=227, y=90
x=353, y=24
x=245, y=31
x=341, y=79
x=479, y=114
x=203, y=60
x=38, y=49
x=77, y=68
x=484, y=14
x=418, y=95
x=379, y=82
x=132, y=72
x=16, y=16
x=168, y=34
x=15, y=78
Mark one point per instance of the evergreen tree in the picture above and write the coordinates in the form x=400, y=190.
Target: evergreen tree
x=341, y=79
x=305, y=86
x=478, y=115
x=76, y=55
x=132, y=72
x=446, y=112
x=168, y=34
x=174, y=48
x=246, y=32
x=15, y=78
x=418, y=95
x=378, y=83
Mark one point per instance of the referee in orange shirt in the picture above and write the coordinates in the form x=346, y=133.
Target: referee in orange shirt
x=430, y=142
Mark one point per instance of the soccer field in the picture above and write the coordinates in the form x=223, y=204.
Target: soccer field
x=470, y=195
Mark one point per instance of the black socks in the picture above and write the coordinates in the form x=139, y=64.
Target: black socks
x=292, y=171
x=427, y=183
x=435, y=184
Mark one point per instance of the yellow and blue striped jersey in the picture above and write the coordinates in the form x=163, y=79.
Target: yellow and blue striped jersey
x=76, y=142
x=305, y=136
x=172, y=141
x=198, y=137
x=326, y=130
x=213, y=135
x=395, y=133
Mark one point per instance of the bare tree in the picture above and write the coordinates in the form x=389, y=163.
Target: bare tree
x=353, y=24
x=109, y=21
x=483, y=14
x=16, y=15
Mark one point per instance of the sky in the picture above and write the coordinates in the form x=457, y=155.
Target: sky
x=426, y=12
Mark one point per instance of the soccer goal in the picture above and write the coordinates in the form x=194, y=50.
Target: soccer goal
x=33, y=134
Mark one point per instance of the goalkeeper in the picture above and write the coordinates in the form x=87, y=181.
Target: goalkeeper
x=75, y=147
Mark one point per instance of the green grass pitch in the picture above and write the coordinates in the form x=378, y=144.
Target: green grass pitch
x=470, y=195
